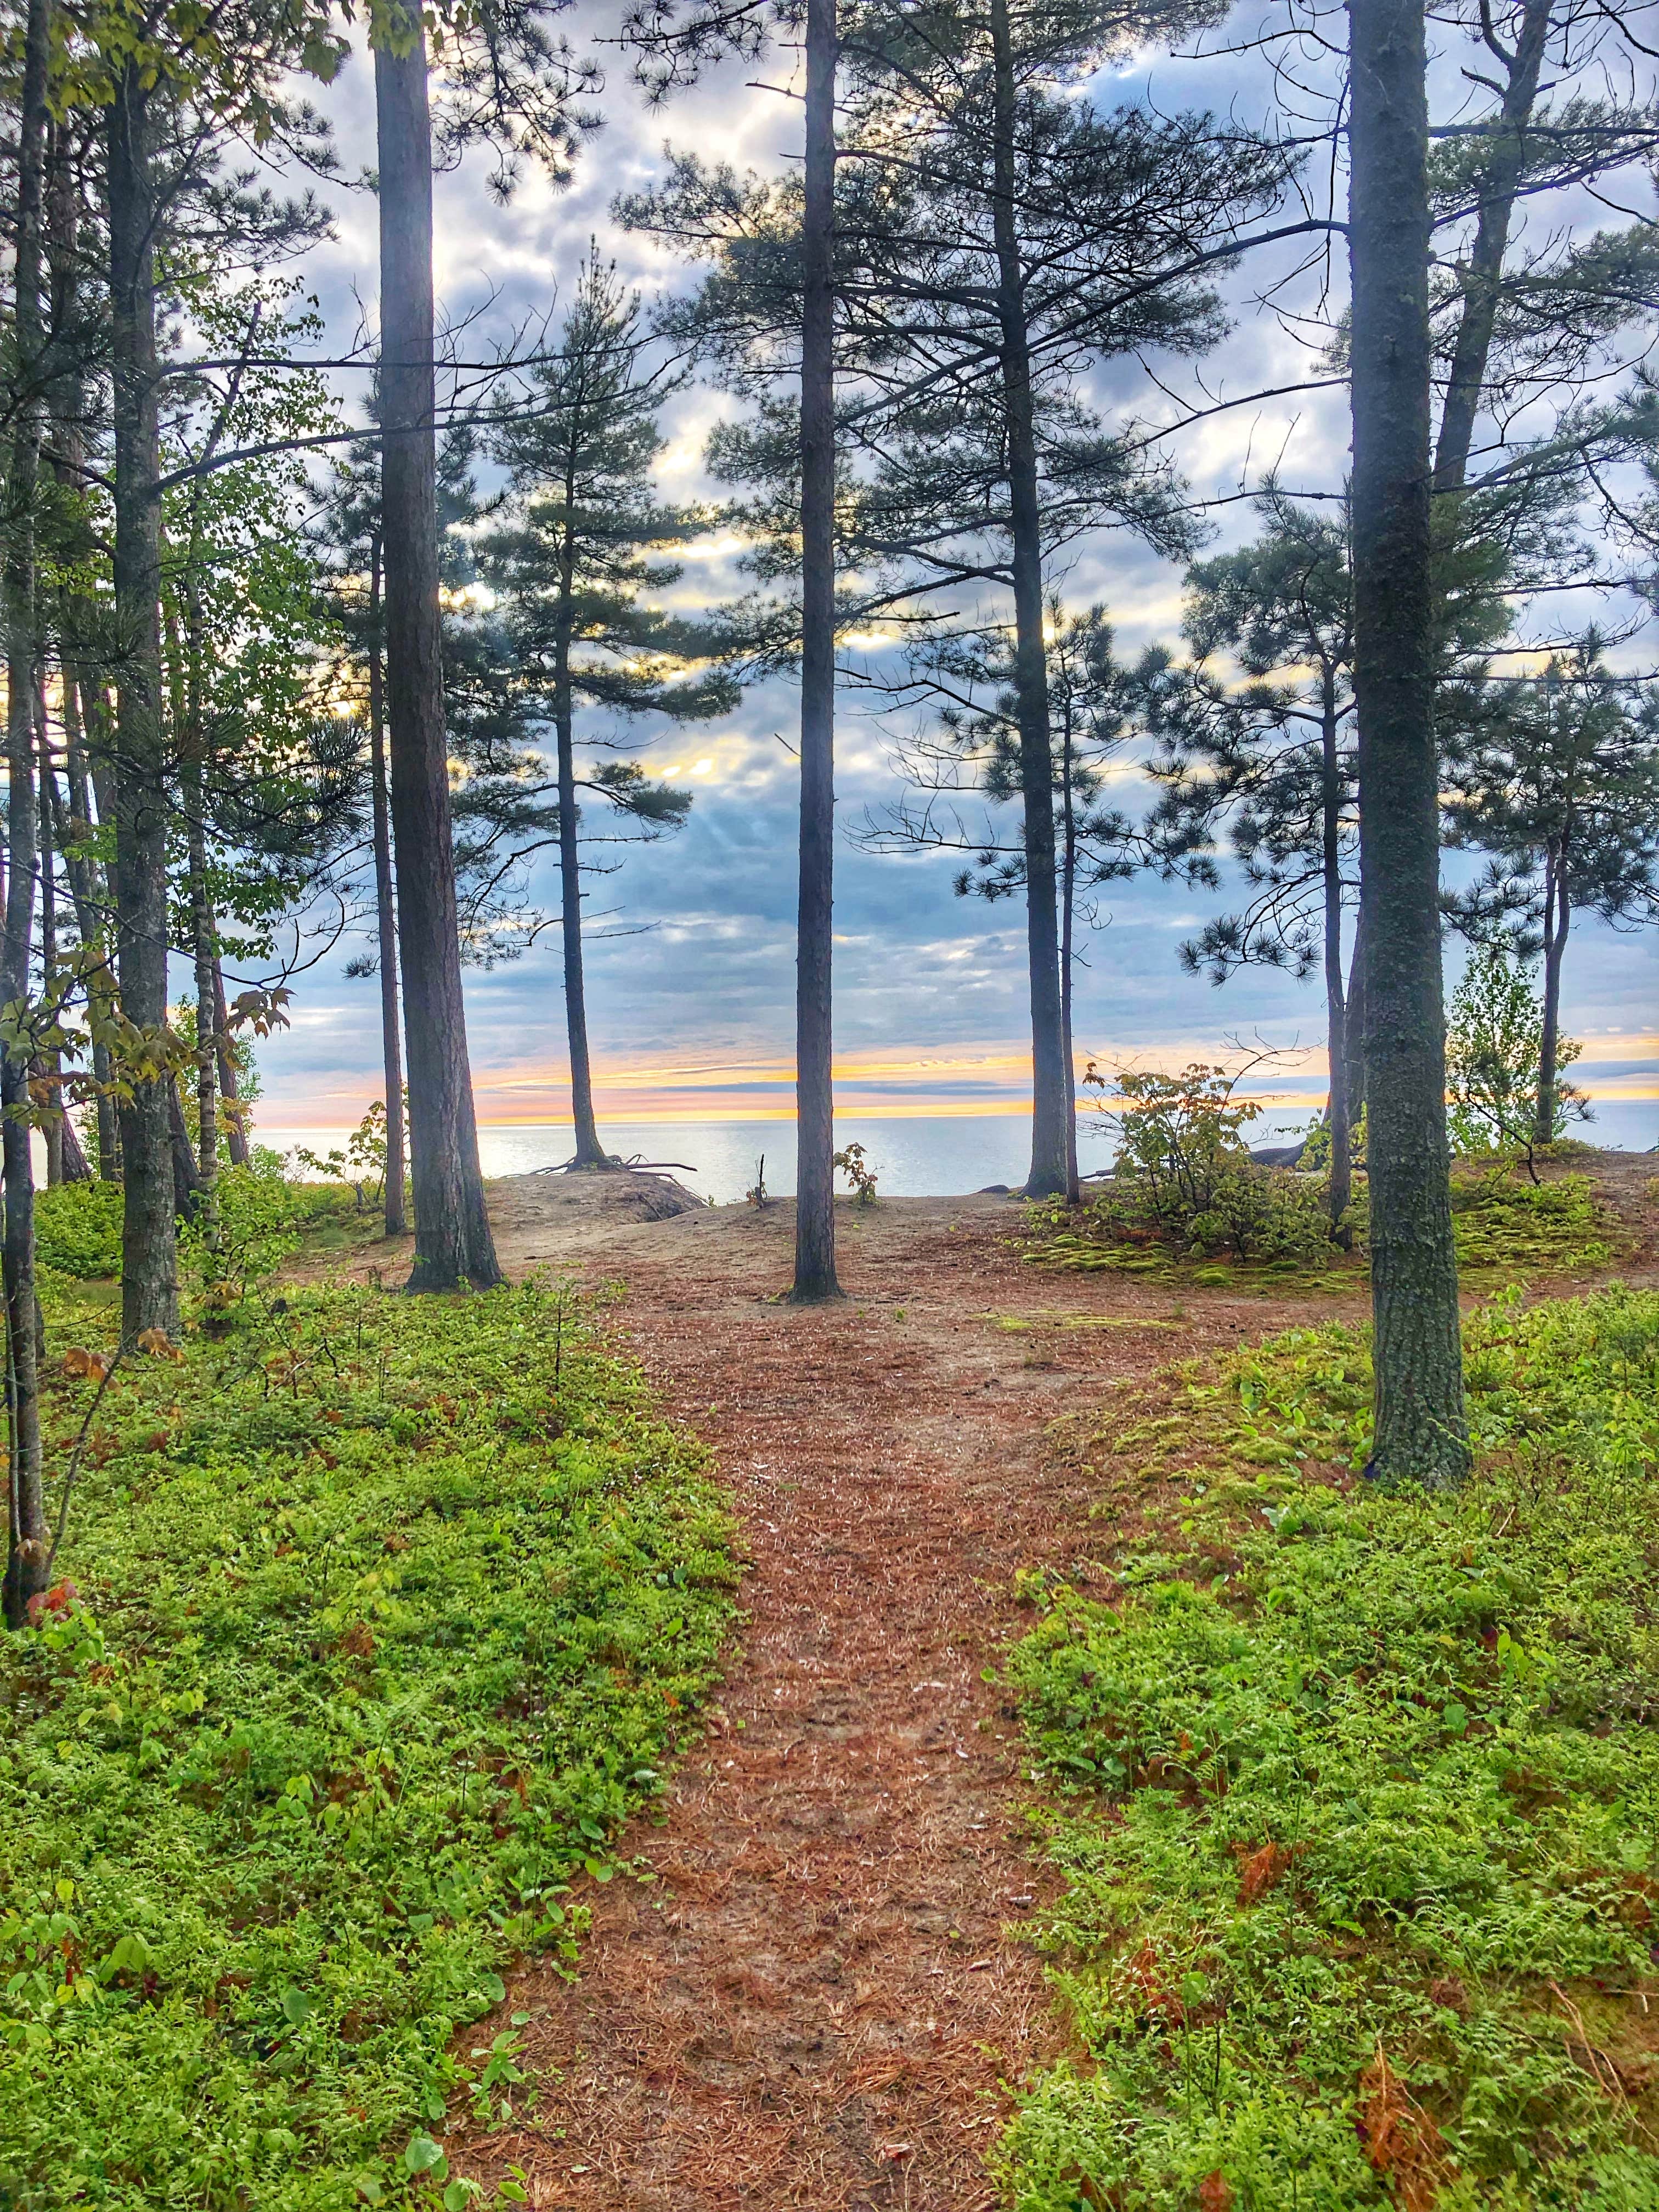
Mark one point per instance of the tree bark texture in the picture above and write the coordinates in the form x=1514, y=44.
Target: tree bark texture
x=386, y=918
x=815, y=1110
x=1420, y=1431
x=149, y=1289
x=1049, y=1088
x=27, y=1547
x=452, y=1242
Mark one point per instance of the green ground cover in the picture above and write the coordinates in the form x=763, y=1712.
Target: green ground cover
x=1357, y=1796
x=1506, y=1227
x=388, y=1610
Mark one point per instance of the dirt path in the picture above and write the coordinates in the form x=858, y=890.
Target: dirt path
x=820, y=1999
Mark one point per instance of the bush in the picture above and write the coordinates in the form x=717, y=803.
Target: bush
x=390, y=1611
x=77, y=1228
x=1183, y=1177
x=1362, y=1837
x=261, y=1215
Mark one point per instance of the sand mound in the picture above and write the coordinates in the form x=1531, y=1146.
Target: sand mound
x=558, y=1200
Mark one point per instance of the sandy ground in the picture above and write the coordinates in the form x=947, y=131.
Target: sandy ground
x=823, y=1997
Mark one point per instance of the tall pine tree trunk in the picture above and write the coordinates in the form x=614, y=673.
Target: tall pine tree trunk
x=386, y=918
x=150, y=1289
x=1336, y=1011
x=27, y=1546
x=1421, y=1432
x=590, y=1153
x=453, y=1243
x=1049, y=1087
x=815, y=1110
x=1558, y=919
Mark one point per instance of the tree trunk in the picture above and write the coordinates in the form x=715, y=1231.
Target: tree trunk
x=236, y=1126
x=391, y=1049
x=149, y=1289
x=590, y=1153
x=51, y=1066
x=1336, y=1016
x=815, y=1098
x=1482, y=279
x=1421, y=1432
x=453, y=1243
x=27, y=1544
x=186, y=1174
x=1558, y=919
x=68, y=404
x=1049, y=1088
x=203, y=926
x=1353, y=1083
x=86, y=891
x=1067, y=957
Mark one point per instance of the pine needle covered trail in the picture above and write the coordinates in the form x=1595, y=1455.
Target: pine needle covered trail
x=818, y=1999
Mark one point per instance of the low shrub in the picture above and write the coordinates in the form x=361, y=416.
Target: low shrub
x=389, y=1610
x=1505, y=1227
x=1559, y=1227
x=1359, y=1819
x=77, y=1228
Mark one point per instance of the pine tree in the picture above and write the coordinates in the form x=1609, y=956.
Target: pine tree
x=570, y=566
x=996, y=238
x=1421, y=1430
x=1268, y=763
x=507, y=84
x=1558, y=778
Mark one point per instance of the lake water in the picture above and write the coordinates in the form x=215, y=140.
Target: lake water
x=936, y=1155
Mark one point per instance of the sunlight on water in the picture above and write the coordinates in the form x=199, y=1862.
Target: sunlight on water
x=924, y=1156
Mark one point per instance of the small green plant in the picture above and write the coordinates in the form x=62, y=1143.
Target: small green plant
x=1357, y=1795
x=1494, y=1038
x=861, y=1176
x=362, y=1164
x=77, y=1228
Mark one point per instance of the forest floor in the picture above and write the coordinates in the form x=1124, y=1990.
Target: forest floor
x=823, y=1997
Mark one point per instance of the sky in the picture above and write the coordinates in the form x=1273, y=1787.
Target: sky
x=691, y=1001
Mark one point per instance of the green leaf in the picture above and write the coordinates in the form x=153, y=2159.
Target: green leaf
x=422, y=2154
